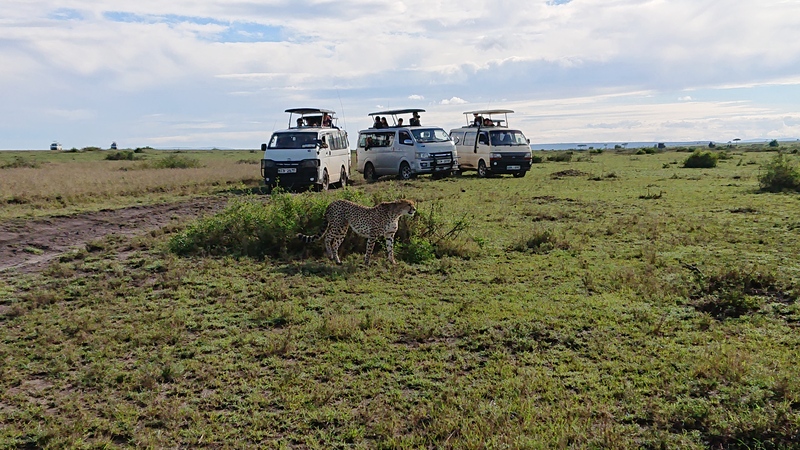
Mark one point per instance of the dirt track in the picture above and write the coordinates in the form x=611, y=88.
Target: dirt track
x=27, y=245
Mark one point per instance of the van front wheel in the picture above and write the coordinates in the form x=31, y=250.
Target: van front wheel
x=482, y=172
x=325, y=181
x=519, y=174
x=405, y=171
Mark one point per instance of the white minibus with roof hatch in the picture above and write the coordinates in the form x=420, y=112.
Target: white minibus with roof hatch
x=405, y=150
x=487, y=146
x=312, y=151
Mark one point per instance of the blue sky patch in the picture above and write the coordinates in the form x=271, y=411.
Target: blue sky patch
x=234, y=31
x=65, y=14
x=558, y=2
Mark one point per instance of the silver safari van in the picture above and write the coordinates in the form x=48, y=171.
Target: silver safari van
x=488, y=146
x=311, y=152
x=404, y=149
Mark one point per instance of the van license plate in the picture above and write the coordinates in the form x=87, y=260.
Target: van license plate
x=512, y=168
x=287, y=170
x=442, y=161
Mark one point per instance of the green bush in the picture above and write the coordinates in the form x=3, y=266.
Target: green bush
x=248, y=227
x=701, y=160
x=124, y=155
x=173, y=161
x=780, y=174
x=416, y=251
x=560, y=157
x=539, y=242
x=20, y=162
x=537, y=159
x=773, y=143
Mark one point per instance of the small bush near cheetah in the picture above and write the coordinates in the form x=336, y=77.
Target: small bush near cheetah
x=701, y=160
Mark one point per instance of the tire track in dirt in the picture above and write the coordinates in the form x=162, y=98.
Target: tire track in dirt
x=28, y=245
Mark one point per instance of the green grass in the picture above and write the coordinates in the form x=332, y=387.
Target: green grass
x=581, y=316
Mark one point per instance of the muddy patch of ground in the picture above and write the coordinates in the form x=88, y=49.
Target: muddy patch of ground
x=28, y=245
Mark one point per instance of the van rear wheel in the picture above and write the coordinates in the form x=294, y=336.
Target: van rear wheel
x=482, y=172
x=343, y=177
x=405, y=172
x=519, y=174
x=369, y=173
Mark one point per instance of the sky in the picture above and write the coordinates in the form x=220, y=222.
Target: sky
x=220, y=73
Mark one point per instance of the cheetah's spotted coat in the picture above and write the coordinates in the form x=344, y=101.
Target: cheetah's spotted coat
x=372, y=223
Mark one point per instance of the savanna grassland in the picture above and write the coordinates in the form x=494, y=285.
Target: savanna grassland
x=36, y=183
x=615, y=300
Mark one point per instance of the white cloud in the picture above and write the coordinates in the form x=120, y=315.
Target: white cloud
x=416, y=97
x=685, y=98
x=453, y=101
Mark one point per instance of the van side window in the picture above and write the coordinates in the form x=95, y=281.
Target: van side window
x=483, y=139
x=404, y=136
x=469, y=139
x=376, y=140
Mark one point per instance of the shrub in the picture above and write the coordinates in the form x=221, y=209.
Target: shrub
x=20, y=162
x=173, y=161
x=738, y=291
x=700, y=160
x=91, y=149
x=560, y=157
x=416, y=251
x=773, y=143
x=537, y=159
x=124, y=155
x=249, y=227
x=779, y=175
x=539, y=242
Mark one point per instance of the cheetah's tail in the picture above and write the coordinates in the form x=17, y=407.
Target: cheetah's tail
x=309, y=238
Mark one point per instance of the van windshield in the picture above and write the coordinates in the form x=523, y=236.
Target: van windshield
x=430, y=135
x=293, y=140
x=508, y=137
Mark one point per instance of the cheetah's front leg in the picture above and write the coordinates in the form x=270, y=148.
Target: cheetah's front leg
x=390, y=247
x=370, y=246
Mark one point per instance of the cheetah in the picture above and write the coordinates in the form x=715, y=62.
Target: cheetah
x=372, y=223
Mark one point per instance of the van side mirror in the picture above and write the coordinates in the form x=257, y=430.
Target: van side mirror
x=263, y=147
x=457, y=140
x=529, y=140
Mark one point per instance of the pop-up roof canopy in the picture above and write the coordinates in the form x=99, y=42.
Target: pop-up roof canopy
x=394, y=112
x=304, y=111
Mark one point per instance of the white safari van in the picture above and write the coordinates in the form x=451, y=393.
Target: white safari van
x=404, y=149
x=313, y=151
x=488, y=146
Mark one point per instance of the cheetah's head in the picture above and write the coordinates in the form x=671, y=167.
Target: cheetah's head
x=406, y=206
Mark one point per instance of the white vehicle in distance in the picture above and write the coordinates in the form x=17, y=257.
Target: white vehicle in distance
x=311, y=152
x=404, y=149
x=488, y=146
x=55, y=146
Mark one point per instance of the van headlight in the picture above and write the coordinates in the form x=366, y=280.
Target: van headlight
x=495, y=156
x=267, y=163
x=309, y=163
x=422, y=155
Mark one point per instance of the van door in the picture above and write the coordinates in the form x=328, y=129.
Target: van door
x=378, y=149
x=404, y=148
x=483, y=148
x=467, y=154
